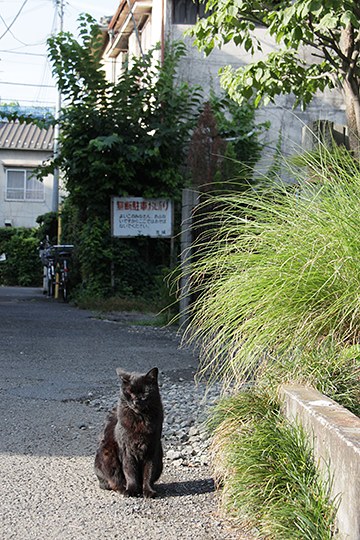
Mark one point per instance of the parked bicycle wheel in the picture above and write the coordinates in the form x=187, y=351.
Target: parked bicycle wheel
x=56, y=260
x=50, y=280
x=64, y=275
x=64, y=289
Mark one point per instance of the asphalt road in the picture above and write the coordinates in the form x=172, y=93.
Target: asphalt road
x=55, y=351
x=54, y=360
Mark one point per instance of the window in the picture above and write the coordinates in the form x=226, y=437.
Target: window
x=187, y=11
x=21, y=185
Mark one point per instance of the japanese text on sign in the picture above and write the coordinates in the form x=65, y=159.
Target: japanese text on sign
x=135, y=216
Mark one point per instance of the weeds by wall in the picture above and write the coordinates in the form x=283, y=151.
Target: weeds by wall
x=267, y=469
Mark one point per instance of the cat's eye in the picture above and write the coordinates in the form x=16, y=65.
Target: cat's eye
x=136, y=396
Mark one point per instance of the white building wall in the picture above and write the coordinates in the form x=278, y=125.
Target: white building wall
x=200, y=70
x=149, y=37
x=114, y=66
x=147, y=41
x=286, y=122
x=23, y=213
x=158, y=18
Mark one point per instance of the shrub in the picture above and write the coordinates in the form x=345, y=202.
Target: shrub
x=22, y=266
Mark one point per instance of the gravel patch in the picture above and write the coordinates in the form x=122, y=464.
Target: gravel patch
x=186, y=405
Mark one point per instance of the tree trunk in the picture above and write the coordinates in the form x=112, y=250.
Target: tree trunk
x=352, y=110
x=350, y=87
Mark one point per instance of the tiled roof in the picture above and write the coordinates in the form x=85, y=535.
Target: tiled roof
x=16, y=136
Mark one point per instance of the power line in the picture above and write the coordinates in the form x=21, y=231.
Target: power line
x=8, y=29
x=46, y=62
x=36, y=44
x=2, y=99
x=19, y=52
x=28, y=84
x=22, y=44
x=18, y=63
x=14, y=19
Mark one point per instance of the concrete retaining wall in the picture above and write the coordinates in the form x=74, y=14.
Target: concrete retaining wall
x=336, y=437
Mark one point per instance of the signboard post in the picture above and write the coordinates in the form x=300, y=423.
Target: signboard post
x=136, y=216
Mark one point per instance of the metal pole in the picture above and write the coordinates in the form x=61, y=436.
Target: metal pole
x=190, y=199
x=55, y=195
x=55, y=198
x=162, y=52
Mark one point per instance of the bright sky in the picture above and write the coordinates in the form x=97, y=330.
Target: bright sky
x=25, y=25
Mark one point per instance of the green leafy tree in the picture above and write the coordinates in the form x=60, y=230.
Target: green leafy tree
x=330, y=31
x=127, y=138
x=123, y=138
x=237, y=126
x=225, y=145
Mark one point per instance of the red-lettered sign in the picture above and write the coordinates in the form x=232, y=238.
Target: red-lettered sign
x=135, y=216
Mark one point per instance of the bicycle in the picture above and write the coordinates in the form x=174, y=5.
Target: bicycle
x=62, y=269
x=48, y=260
x=55, y=259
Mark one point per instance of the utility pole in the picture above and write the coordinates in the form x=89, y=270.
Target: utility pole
x=55, y=198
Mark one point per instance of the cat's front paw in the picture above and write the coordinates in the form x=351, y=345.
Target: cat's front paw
x=149, y=493
x=131, y=492
x=103, y=484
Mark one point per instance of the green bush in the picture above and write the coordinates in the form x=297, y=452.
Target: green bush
x=104, y=266
x=22, y=266
x=48, y=227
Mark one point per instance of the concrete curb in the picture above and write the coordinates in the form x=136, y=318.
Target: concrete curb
x=335, y=433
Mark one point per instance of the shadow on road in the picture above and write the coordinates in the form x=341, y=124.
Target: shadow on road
x=182, y=489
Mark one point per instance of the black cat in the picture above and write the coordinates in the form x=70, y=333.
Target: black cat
x=130, y=456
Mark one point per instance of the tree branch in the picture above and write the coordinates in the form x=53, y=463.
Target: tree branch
x=327, y=42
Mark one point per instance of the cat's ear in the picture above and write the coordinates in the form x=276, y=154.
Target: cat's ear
x=153, y=374
x=123, y=376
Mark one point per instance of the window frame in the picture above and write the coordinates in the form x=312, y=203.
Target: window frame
x=25, y=190
x=189, y=6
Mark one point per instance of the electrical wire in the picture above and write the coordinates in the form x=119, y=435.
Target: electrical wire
x=28, y=84
x=46, y=65
x=41, y=88
x=22, y=53
x=14, y=19
x=32, y=9
x=8, y=29
x=46, y=103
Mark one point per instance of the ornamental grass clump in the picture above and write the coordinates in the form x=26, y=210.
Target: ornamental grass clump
x=277, y=282
x=266, y=466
